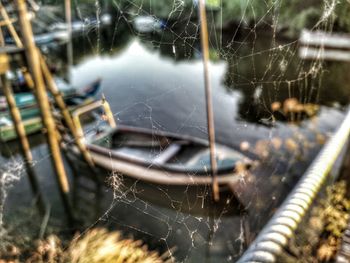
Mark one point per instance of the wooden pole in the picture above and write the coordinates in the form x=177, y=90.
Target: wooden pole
x=51, y=84
x=64, y=110
x=210, y=115
x=68, y=13
x=21, y=134
x=43, y=102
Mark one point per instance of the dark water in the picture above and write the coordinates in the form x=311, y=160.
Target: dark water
x=156, y=81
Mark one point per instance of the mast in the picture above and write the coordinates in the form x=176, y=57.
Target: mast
x=208, y=97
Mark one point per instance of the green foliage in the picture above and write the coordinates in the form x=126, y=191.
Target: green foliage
x=291, y=14
x=245, y=11
x=342, y=15
x=213, y=3
x=162, y=9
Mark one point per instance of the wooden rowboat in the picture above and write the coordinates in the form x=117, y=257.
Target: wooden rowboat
x=156, y=157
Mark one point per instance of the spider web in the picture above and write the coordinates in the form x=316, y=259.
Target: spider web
x=155, y=80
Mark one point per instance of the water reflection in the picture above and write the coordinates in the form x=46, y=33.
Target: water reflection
x=261, y=68
x=266, y=72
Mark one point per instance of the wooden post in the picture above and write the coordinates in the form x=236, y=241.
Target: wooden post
x=20, y=130
x=68, y=13
x=43, y=102
x=64, y=110
x=210, y=115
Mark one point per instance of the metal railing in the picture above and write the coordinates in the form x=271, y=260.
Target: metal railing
x=275, y=235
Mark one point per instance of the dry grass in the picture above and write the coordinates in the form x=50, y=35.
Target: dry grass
x=97, y=245
x=320, y=237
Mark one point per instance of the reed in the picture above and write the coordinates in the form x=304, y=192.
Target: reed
x=96, y=245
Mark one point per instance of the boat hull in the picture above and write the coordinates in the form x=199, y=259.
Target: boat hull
x=194, y=198
x=176, y=184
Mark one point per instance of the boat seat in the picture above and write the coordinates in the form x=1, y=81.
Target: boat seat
x=167, y=154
